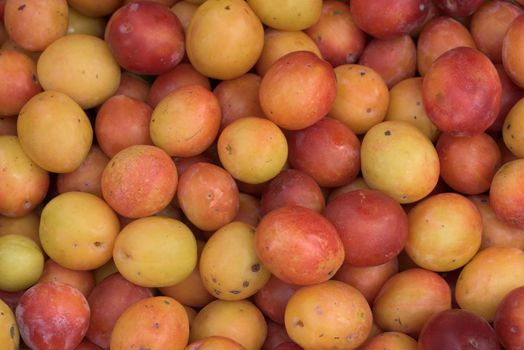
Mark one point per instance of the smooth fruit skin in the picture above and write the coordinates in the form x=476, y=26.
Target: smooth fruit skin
x=385, y=19
x=506, y=195
x=488, y=278
x=509, y=322
x=65, y=311
x=224, y=39
x=373, y=227
x=227, y=260
x=23, y=184
x=68, y=235
x=139, y=181
x=19, y=81
x=298, y=90
x=462, y=74
x=299, y=245
x=145, y=38
x=457, y=329
x=85, y=60
x=21, y=263
x=287, y=15
x=55, y=149
x=399, y=160
x=155, y=251
x=9, y=334
x=155, y=323
x=328, y=315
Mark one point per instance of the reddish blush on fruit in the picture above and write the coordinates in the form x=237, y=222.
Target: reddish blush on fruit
x=457, y=329
x=292, y=187
x=401, y=62
x=468, y=164
x=373, y=227
x=328, y=151
x=509, y=320
x=145, y=38
x=298, y=90
x=462, y=74
x=122, y=121
x=108, y=300
x=273, y=297
x=299, y=245
x=65, y=311
x=139, y=181
x=385, y=19
x=337, y=36
x=182, y=75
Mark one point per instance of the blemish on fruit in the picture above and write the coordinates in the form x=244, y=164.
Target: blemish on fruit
x=12, y=331
x=227, y=8
x=255, y=267
x=298, y=323
x=143, y=348
x=234, y=292
x=508, y=127
x=33, y=77
x=321, y=335
x=21, y=7
x=245, y=284
x=331, y=273
x=336, y=338
x=216, y=291
x=387, y=133
x=97, y=244
x=229, y=149
x=362, y=73
x=156, y=325
x=166, y=302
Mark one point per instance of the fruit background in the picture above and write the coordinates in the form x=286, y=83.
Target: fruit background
x=261, y=174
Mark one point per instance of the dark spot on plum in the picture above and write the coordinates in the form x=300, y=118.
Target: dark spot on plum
x=508, y=127
x=362, y=73
x=12, y=331
x=33, y=77
x=330, y=273
x=227, y=8
x=368, y=110
x=214, y=280
x=255, y=267
x=398, y=320
x=245, y=284
x=414, y=117
x=229, y=149
x=78, y=120
x=234, y=292
x=166, y=302
x=299, y=323
x=418, y=103
x=321, y=335
x=21, y=7
x=387, y=133
x=512, y=136
x=336, y=338
x=113, y=165
x=210, y=196
x=98, y=244
x=156, y=325
x=143, y=348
